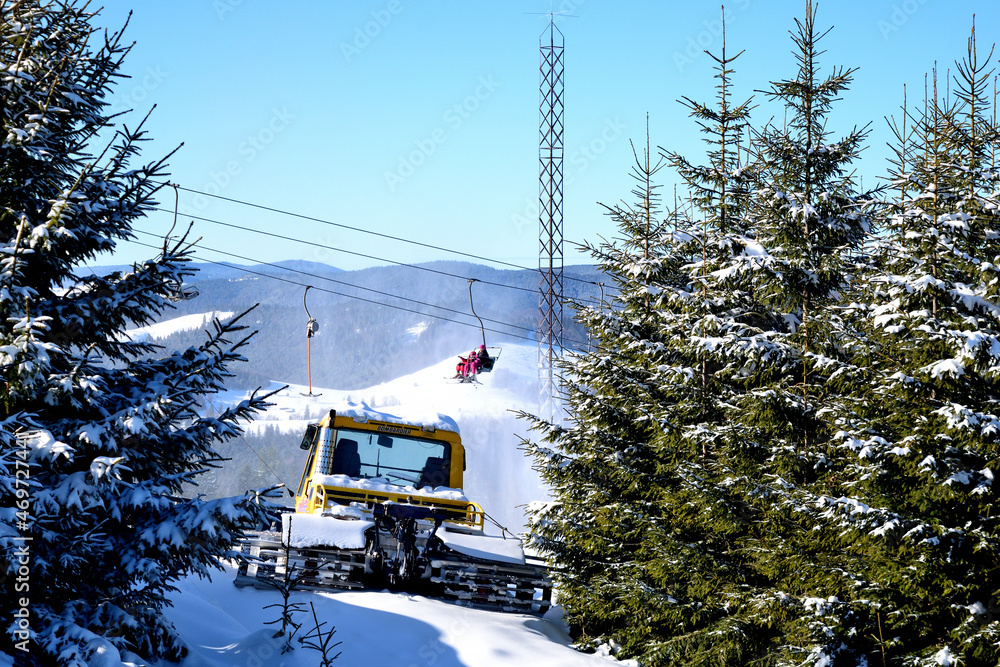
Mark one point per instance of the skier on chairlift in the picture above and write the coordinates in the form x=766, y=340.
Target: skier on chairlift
x=469, y=365
x=479, y=359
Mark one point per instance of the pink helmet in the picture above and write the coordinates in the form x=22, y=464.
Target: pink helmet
x=482, y=347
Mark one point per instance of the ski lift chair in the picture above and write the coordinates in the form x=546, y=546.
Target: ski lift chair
x=181, y=292
x=492, y=354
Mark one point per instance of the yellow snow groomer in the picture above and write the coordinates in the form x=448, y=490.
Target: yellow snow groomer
x=380, y=501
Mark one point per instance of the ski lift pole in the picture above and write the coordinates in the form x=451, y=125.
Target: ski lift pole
x=311, y=327
x=472, y=306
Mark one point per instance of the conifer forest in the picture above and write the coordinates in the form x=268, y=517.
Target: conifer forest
x=779, y=444
x=782, y=451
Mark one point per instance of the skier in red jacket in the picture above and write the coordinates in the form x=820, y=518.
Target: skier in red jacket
x=470, y=365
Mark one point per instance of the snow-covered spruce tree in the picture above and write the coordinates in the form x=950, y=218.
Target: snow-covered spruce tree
x=767, y=256
x=643, y=528
x=602, y=465
x=716, y=330
x=743, y=438
x=920, y=439
x=808, y=219
x=99, y=435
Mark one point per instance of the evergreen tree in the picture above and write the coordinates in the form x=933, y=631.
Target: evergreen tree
x=809, y=219
x=711, y=319
x=767, y=255
x=718, y=357
x=99, y=435
x=602, y=465
x=641, y=459
x=919, y=442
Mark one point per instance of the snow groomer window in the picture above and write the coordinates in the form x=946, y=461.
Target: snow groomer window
x=397, y=458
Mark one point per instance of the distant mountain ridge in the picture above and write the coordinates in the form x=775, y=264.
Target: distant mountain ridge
x=375, y=324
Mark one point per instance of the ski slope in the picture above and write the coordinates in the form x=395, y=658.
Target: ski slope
x=499, y=477
x=225, y=626
x=165, y=329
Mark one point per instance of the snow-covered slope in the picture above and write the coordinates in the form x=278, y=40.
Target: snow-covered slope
x=225, y=626
x=162, y=330
x=499, y=477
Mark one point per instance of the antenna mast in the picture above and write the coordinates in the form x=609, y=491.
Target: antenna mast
x=550, y=217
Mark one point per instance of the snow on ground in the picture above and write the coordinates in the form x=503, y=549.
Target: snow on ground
x=512, y=385
x=225, y=626
x=415, y=331
x=161, y=330
x=499, y=477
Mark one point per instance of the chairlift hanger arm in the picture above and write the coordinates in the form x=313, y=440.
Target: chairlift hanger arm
x=304, y=306
x=472, y=306
x=311, y=325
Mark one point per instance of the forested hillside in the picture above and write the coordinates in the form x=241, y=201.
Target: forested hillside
x=374, y=324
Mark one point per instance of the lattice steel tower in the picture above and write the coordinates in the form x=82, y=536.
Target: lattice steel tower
x=550, y=218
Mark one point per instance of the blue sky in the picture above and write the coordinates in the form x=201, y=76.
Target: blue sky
x=420, y=119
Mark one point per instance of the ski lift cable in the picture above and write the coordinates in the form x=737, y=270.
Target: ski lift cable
x=351, y=252
x=346, y=284
x=402, y=239
x=358, y=298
